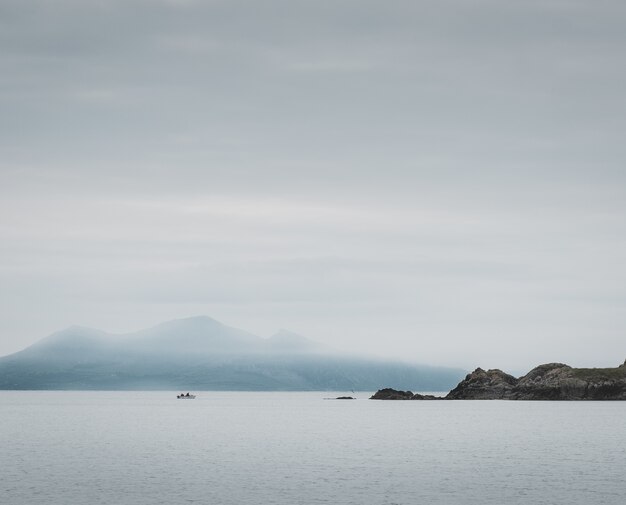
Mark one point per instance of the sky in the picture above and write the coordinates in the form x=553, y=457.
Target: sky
x=441, y=182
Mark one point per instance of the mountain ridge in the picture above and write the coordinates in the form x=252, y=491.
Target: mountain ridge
x=202, y=353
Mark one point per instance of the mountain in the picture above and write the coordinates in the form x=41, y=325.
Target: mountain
x=195, y=334
x=200, y=353
x=285, y=341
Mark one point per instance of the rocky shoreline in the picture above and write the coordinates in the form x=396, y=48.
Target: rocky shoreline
x=552, y=381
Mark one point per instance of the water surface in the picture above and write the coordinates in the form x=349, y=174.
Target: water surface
x=78, y=448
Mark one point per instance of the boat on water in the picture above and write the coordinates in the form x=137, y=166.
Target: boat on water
x=185, y=397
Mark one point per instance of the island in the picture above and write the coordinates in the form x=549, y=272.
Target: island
x=551, y=381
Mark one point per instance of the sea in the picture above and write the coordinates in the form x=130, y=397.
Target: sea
x=117, y=448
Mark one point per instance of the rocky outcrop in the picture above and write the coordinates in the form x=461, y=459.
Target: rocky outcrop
x=556, y=381
x=484, y=385
x=392, y=394
x=552, y=381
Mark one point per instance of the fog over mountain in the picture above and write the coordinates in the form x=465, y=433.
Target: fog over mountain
x=442, y=179
x=201, y=353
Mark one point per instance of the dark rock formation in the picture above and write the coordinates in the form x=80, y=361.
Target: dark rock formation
x=418, y=396
x=344, y=398
x=557, y=381
x=552, y=381
x=392, y=394
x=483, y=385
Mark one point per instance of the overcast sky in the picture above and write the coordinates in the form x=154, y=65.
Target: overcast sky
x=441, y=181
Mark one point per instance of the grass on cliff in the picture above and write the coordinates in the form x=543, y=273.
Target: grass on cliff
x=600, y=373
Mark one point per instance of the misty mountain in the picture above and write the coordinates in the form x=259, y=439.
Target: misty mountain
x=201, y=353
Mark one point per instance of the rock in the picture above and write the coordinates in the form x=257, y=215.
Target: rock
x=344, y=398
x=417, y=396
x=393, y=394
x=545, y=382
x=552, y=381
x=484, y=385
x=556, y=381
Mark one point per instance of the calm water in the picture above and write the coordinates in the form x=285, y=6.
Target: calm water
x=295, y=448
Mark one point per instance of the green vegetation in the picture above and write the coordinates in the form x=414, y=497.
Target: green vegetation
x=597, y=374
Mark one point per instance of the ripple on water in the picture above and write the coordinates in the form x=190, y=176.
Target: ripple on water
x=135, y=448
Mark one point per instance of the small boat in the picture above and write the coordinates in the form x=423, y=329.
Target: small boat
x=185, y=397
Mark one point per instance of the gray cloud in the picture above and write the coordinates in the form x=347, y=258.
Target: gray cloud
x=441, y=180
